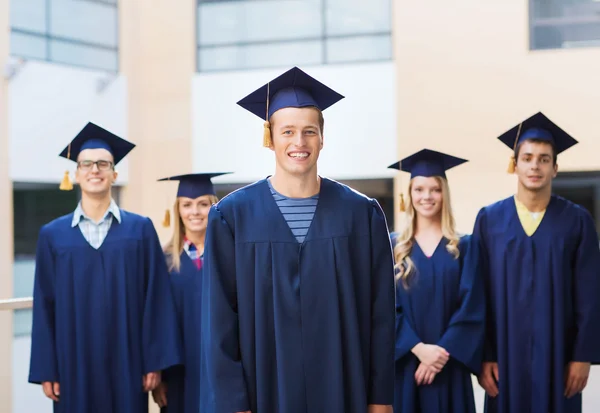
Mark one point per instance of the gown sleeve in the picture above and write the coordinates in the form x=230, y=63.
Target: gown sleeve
x=586, y=280
x=406, y=338
x=489, y=341
x=43, y=364
x=220, y=331
x=162, y=347
x=463, y=338
x=381, y=381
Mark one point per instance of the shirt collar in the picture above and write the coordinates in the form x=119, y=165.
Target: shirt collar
x=113, y=209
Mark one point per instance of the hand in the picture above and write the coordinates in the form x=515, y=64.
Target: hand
x=576, y=378
x=159, y=394
x=431, y=355
x=380, y=408
x=151, y=380
x=489, y=378
x=51, y=390
x=247, y=411
x=424, y=374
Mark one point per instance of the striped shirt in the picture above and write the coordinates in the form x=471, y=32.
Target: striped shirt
x=192, y=251
x=298, y=212
x=95, y=232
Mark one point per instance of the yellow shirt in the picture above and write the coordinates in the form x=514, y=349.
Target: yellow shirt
x=529, y=220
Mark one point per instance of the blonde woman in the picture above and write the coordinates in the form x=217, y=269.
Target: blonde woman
x=182, y=386
x=440, y=305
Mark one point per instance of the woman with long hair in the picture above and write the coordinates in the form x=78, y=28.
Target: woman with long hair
x=440, y=308
x=181, y=386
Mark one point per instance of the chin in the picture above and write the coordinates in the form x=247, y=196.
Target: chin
x=196, y=227
x=429, y=214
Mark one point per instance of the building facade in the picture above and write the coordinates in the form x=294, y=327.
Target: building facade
x=166, y=76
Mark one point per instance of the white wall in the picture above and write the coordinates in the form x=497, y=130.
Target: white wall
x=48, y=106
x=360, y=130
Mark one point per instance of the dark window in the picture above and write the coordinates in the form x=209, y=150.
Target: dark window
x=582, y=188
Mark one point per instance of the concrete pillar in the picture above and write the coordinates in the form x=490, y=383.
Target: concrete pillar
x=6, y=221
x=157, y=57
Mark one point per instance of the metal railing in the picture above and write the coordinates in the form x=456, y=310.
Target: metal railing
x=16, y=303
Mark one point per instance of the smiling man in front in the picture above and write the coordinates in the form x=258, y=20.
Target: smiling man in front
x=298, y=291
x=542, y=276
x=104, y=321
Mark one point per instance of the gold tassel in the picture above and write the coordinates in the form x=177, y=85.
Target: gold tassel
x=66, y=184
x=402, y=205
x=267, y=135
x=167, y=220
x=511, y=165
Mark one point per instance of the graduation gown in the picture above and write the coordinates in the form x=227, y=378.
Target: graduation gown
x=101, y=318
x=543, y=309
x=292, y=327
x=186, y=381
x=443, y=305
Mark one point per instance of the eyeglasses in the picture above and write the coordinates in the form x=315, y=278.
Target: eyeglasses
x=102, y=165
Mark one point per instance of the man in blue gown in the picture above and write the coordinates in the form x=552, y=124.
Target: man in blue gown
x=104, y=322
x=542, y=277
x=298, y=288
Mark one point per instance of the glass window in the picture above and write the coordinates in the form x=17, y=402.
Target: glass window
x=352, y=17
x=245, y=34
x=244, y=21
x=87, y=21
x=557, y=24
x=28, y=15
x=78, y=55
x=31, y=47
x=359, y=49
x=76, y=32
x=260, y=55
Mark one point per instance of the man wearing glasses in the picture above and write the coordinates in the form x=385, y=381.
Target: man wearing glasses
x=104, y=321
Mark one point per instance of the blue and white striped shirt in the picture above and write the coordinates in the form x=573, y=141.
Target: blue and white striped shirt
x=298, y=212
x=95, y=232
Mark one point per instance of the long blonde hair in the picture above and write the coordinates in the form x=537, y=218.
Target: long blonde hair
x=174, y=247
x=404, y=264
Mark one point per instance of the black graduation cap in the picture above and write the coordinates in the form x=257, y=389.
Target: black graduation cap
x=292, y=89
x=538, y=127
x=192, y=186
x=196, y=184
x=93, y=136
x=426, y=163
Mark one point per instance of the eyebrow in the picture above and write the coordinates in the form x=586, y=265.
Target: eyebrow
x=542, y=154
x=294, y=126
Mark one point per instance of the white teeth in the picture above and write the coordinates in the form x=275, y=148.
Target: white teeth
x=299, y=155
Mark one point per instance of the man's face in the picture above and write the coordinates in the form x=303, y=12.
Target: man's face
x=95, y=171
x=297, y=139
x=535, y=166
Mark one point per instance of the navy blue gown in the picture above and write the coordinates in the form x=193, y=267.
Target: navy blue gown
x=298, y=327
x=185, y=382
x=543, y=309
x=443, y=305
x=101, y=318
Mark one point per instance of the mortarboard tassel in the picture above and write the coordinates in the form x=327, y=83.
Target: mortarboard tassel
x=267, y=135
x=167, y=220
x=267, y=142
x=66, y=184
x=511, y=165
x=402, y=205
